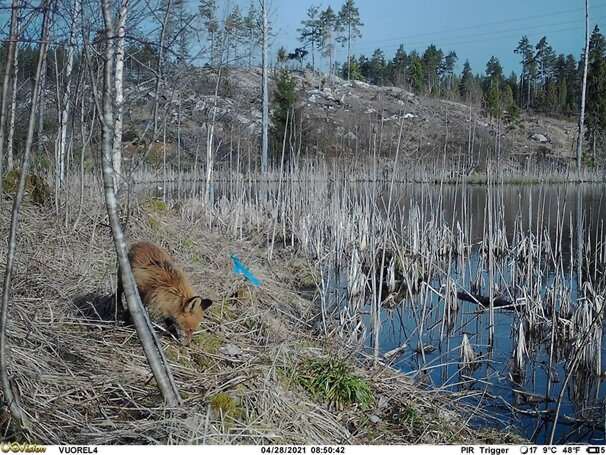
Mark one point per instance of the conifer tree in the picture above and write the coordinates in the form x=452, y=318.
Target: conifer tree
x=310, y=32
x=467, y=82
x=328, y=22
x=595, y=119
x=525, y=51
x=348, y=25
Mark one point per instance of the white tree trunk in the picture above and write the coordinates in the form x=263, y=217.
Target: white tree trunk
x=9, y=394
x=13, y=111
x=12, y=44
x=583, y=92
x=119, y=97
x=265, y=114
x=64, y=118
x=149, y=340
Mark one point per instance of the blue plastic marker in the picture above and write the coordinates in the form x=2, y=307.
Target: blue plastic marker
x=240, y=269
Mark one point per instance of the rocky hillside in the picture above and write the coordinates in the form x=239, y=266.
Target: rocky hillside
x=341, y=119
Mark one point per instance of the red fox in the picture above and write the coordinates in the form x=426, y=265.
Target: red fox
x=165, y=290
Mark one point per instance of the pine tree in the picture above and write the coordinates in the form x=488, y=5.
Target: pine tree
x=310, y=32
x=234, y=26
x=208, y=13
x=447, y=69
x=545, y=59
x=348, y=26
x=432, y=60
x=251, y=30
x=524, y=49
x=182, y=37
x=595, y=119
x=328, y=22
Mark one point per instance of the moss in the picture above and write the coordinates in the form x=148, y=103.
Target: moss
x=35, y=186
x=154, y=224
x=180, y=355
x=226, y=406
x=11, y=181
x=208, y=342
x=155, y=205
x=188, y=244
x=223, y=311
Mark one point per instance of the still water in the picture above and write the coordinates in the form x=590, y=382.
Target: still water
x=533, y=366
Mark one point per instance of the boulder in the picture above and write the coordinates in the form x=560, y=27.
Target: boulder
x=541, y=138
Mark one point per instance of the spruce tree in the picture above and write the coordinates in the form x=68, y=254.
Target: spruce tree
x=466, y=83
x=283, y=102
x=377, y=67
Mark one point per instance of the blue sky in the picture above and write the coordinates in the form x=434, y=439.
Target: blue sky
x=475, y=29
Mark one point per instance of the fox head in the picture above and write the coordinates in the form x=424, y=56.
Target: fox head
x=189, y=319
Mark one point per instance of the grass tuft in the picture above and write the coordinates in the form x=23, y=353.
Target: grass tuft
x=332, y=381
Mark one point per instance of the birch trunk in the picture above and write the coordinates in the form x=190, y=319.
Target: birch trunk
x=265, y=115
x=151, y=345
x=119, y=97
x=159, y=68
x=67, y=96
x=9, y=394
x=583, y=92
x=12, y=44
x=13, y=109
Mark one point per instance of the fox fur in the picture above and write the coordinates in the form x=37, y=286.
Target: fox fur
x=165, y=291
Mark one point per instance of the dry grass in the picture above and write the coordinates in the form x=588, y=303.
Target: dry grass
x=87, y=381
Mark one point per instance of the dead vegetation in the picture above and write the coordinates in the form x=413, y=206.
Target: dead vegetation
x=85, y=380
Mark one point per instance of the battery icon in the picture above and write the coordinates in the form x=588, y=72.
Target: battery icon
x=594, y=449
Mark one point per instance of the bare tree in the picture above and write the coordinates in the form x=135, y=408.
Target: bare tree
x=119, y=95
x=265, y=114
x=583, y=92
x=12, y=109
x=10, y=396
x=67, y=101
x=149, y=340
x=12, y=45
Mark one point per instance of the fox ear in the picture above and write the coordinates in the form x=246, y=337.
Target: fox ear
x=190, y=305
x=205, y=303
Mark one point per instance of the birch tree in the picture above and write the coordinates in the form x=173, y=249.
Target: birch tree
x=265, y=113
x=13, y=107
x=583, y=91
x=67, y=101
x=119, y=95
x=12, y=45
x=9, y=393
x=149, y=340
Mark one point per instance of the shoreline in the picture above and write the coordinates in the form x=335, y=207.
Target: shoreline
x=88, y=382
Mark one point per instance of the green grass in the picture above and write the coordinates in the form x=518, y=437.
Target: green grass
x=332, y=381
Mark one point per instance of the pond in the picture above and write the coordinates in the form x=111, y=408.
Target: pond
x=442, y=248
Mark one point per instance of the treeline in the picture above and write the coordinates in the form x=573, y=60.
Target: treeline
x=548, y=82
